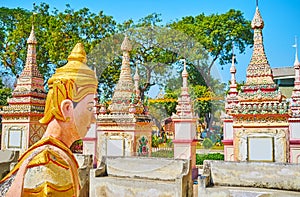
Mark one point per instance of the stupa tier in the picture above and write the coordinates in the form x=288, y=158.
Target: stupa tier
x=20, y=118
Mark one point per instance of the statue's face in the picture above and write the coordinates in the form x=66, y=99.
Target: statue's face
x=84, y=114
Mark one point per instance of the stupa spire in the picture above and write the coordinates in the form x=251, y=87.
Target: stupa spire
x=295, y=103
x=231, y=99
x=31, y=68
x=232, y=68
x=296, y=52
x=259, y=70
x=184, y=108
x=28, y=98
x=123, y=92
x=233, y=86
x=184, y=75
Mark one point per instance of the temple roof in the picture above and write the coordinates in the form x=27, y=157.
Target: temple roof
x=259, y=70
x=125, y=88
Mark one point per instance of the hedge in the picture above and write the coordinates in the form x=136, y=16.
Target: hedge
x=211, y=156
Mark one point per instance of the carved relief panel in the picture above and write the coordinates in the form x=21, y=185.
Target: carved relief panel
x=261, y=145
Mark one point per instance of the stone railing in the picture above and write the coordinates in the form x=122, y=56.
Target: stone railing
x=280, y=176
x=140, y=176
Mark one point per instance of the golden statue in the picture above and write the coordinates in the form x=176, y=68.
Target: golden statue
x=48, y=168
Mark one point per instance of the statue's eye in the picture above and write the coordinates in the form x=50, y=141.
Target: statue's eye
x=90, y=108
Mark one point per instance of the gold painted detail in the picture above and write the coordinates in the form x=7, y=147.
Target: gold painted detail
x=49, y=140
x=49, y=189
x=47, y=156
x=73, y=81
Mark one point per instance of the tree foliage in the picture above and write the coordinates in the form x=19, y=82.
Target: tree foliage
x=149, y=52
x=4, y=94
x=170, y=107
x=157, y=49
x=9, y=19
x=216, y=32
x=56, y=32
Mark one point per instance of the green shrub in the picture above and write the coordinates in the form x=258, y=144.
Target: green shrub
x=155, y=141
x=207, y=143
x=212, y=156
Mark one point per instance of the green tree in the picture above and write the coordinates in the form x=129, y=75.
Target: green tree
x=202, y=107
x=56, y=32
x=170, y=106
x=215, y=33
x=149, y=52
x=106, y=57
x=9, y=19
x=4, y=94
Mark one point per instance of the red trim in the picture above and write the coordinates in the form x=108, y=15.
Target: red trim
x=184, y=141
x=227, y=120
x=294, y=142
x=89, y=139
x=227, y=142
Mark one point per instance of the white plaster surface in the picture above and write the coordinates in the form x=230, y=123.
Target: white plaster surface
x=184, y=130
x=229, y=153
x=295, y=155
x=295, y=130
x=151, y=168
x=255, y=174
x=228, y=132
x=245, y=192
x=141, y=177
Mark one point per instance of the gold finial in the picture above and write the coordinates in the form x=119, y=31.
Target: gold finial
x=78, y=54
x=126, y=45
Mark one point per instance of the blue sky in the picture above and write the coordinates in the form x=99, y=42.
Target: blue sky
x=281, y=19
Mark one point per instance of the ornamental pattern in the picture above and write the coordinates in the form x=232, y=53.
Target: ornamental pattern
x=259, y=70
x=261, y=108
x=143, y=146
x=125, y=87
x=184, y=107
x=28, y=98
x=259, y=120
